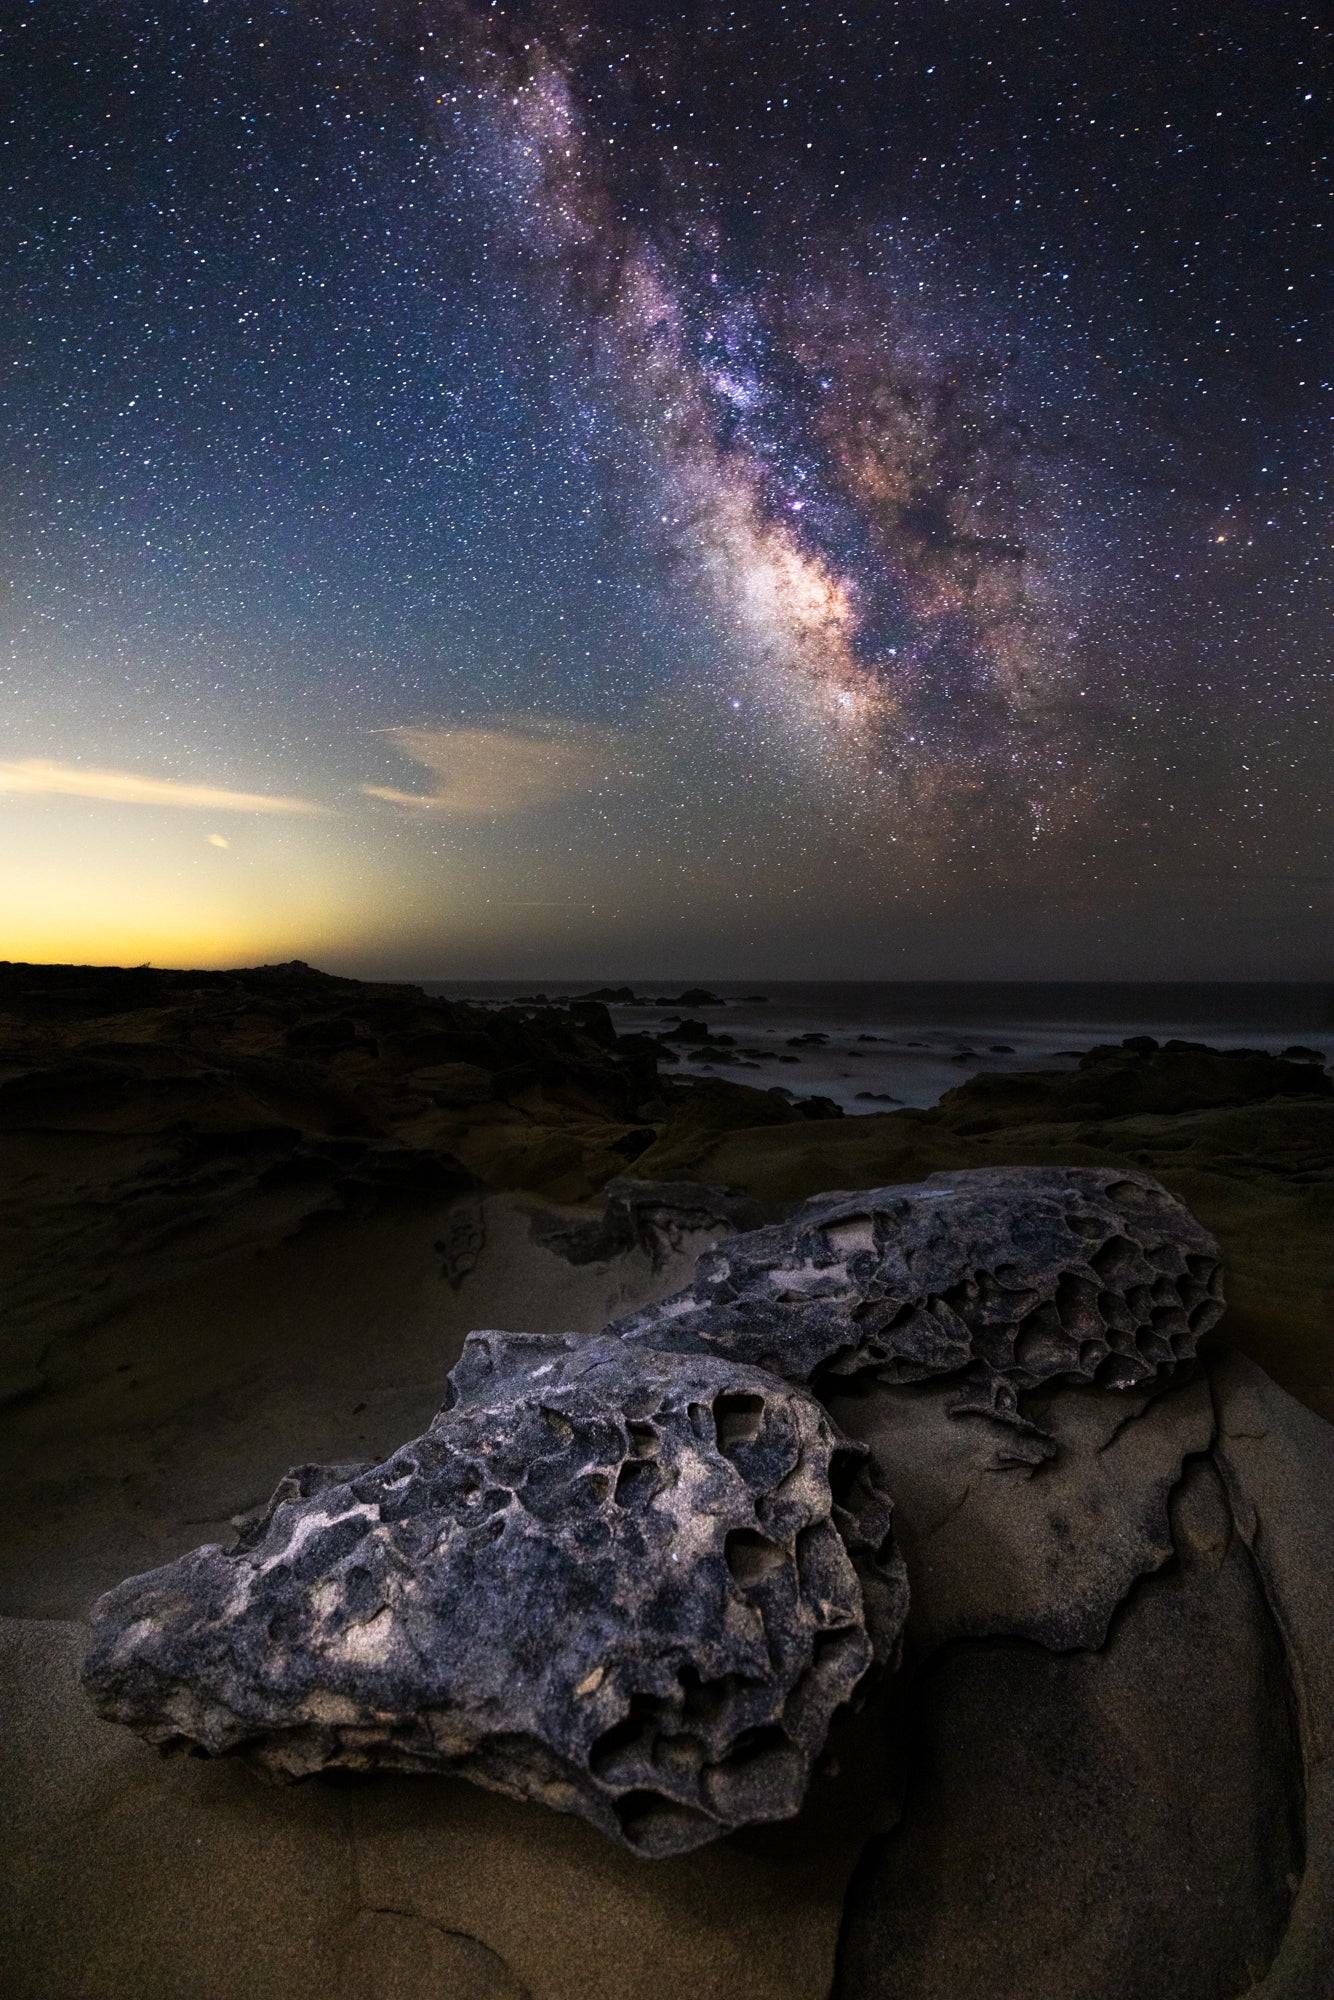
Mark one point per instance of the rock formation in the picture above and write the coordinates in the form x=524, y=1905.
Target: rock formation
x=1007, y=1278
x=634, y=1577
x=635, y=1586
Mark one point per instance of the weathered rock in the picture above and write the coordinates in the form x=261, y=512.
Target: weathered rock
x=633, y=1586
x=1096, y=1824
x=1021, y=1275
x=1135, y=1077
x=128, y=1876
x=999, y=1551
x=660, y=1217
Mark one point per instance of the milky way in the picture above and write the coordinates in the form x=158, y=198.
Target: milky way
x=840, y=461
x=750, y=482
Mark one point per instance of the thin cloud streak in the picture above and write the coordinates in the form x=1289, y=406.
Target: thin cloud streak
x=491, y=773
x=40, y=776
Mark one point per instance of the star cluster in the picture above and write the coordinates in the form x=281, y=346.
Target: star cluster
x=807, y=487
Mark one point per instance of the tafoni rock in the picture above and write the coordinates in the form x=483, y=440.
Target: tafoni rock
x=1009, y=1277
x=634, y=1576
x=634, y=1586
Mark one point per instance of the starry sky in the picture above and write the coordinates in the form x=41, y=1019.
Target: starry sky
x=498, y=489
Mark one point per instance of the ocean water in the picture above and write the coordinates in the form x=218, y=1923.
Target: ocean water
x=893, y=1043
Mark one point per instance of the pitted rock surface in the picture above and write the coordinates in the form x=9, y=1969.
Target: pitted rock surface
x=631, y=1585
x=1018, y=1275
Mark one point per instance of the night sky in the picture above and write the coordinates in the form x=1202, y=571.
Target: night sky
x=626, y=490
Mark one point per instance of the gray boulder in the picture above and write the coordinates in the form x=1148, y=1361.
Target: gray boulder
x=1012, y=1276
x=632, y=1585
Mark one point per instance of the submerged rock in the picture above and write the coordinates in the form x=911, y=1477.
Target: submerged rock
x=634, y=1586
x=1021, y=1275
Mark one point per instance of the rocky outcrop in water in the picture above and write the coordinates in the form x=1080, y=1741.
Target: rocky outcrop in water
x=630, y=1585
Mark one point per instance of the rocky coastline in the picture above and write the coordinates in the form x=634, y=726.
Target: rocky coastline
x=255, y=1220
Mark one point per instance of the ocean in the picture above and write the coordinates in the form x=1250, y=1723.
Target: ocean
x=883, y=1044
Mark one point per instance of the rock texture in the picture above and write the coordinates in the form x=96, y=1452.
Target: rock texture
x=1247, y=1144
x=1000, y=1550
x=633, y=1586
x=128, y=1876
x=659, y=1217
x=1019, y=1276
x=1095, y=1824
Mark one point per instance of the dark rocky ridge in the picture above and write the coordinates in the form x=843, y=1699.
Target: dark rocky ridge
x=156, y=1123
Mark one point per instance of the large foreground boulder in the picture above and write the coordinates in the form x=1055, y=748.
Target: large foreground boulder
x=632, y=1586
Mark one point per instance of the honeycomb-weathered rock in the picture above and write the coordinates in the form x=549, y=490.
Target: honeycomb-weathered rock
x=1022, y=1275
x=634, y=1586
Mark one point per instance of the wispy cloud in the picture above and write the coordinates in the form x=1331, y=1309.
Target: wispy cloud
x=492, y=773
x=128, y=788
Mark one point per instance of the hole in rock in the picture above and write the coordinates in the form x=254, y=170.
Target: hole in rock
x=644, y=1440
x=737, y=1420
x=1085, y=1225
x=1118, y=1371
x=752, y=1744
x=850, y=1234
x=632, y=1736
x=679, y=1758
x=1077, y=1304
x=707, y=1702
x=845, y=1475
x=649, y=1820
x=634, y=1481
x=1042, y=1345
x=829, y=1649
x=1117, y=1261
x=752, y=1557
x=1130, y=1195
